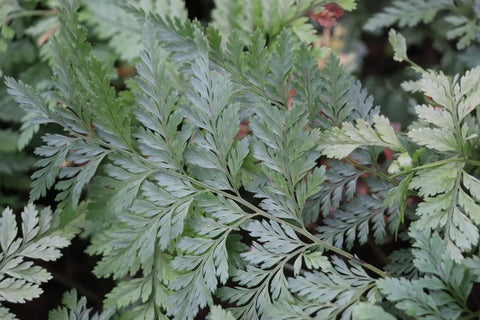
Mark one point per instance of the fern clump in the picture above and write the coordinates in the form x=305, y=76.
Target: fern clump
x=188, y=215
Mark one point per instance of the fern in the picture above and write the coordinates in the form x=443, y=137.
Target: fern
x=444, y=131
x=19, y=58
x=462, y=16
x=330, y=294
x=447, y=282
x=191, y=215
x=112, y=22
x=74, y=308
x=408, y=13
x=20, y=279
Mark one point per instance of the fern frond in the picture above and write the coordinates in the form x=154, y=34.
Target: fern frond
x=447, y=202
x=339, y=143
x=263, y=281
x=334, y=101
x=158, y=110
x=461, y=17
x=288, y=160
x=365, y=311
x=82, y=95
x=211, y=110
x=401, y=264
x=189, y=211
x=20, y=279
x=113, y=22
x=407, y=13
x=217, y=313
x=334, y=292
x=353, y=223
x=447, y=282
x=341, y=182
x=76, y=308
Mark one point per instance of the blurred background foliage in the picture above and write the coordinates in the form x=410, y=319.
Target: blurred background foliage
x=359, y=38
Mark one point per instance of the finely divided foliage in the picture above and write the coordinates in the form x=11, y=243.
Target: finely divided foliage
x=20, y=279
x=461, y=16
x=198, y=215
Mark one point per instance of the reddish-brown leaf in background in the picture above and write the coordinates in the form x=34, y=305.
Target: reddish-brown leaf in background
x=327, y=18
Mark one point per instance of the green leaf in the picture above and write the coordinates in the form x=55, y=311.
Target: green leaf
x=217, y=313
x=20, y=279
x=335, y=103
x=439, y=117
x=287, y=156
x=439, y=139
x=397, y=41
x=447, y=282
x=113, y=22
x=407, y=13
x=367, y=311
x=352, y=223
x=466, y=92
x=340, y=142
x=410, y=297
x=401, y=264
x=5, y=314
x=76, y=308
x=397, y=198
x=334, y=292
x=464, y=29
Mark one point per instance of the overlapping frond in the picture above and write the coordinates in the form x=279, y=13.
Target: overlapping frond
x=20, y=278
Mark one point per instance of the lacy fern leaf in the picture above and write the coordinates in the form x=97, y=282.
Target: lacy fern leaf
x=74, y=308
x=20, y=279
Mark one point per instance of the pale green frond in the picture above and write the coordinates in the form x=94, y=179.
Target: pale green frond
x=334, y=102
x=75, y=308
x=442, y=140
x=355, y=221
x=217, y=313
x=436, y=116
x=367, y=311
x=464, y=30
x=20, y=279
x=397, y=41
x=335, y=292
x=448, y=283
x=340, y=142
x=467, y=92
x=287, y=156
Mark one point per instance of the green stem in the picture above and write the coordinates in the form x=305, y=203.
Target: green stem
x=428, y=166
x=458, y=129
x=371, y=170
x=27, y=13
x=474, y=315
x=472, y=162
